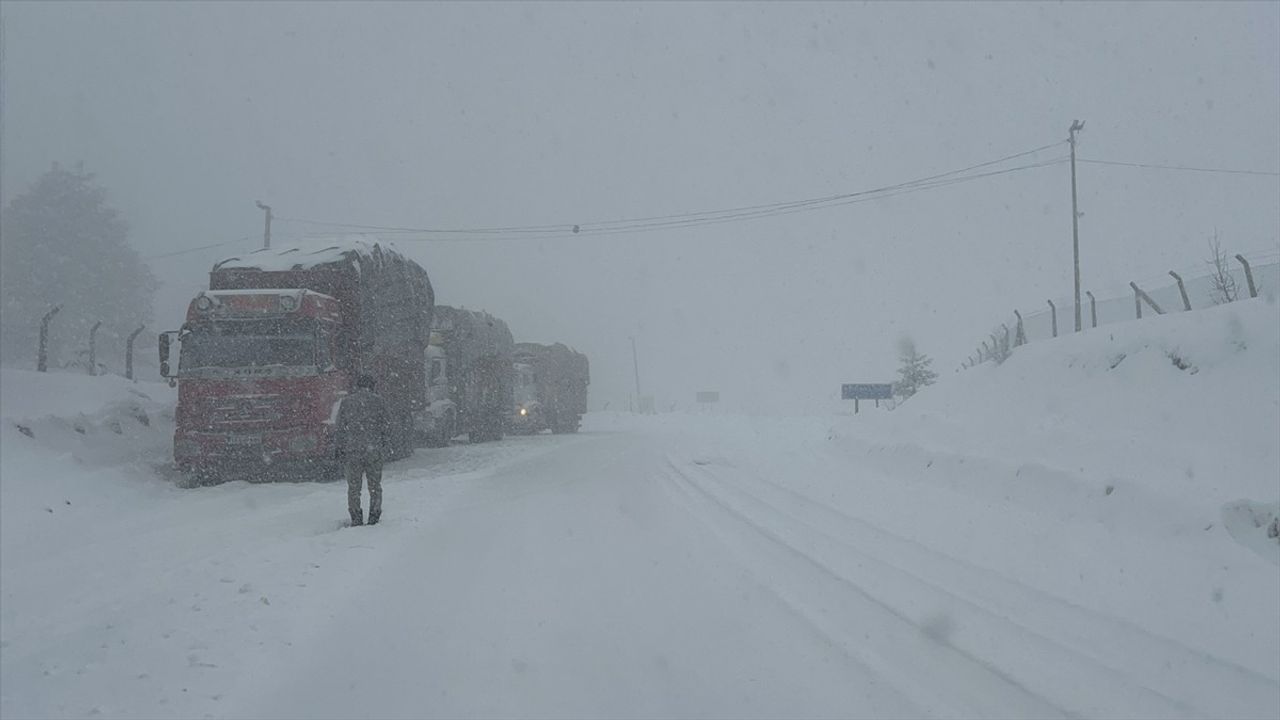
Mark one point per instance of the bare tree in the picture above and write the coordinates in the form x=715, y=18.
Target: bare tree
x=1224, y=283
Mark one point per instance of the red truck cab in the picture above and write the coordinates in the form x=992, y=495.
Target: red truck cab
x=259, y=382
x=268, y=353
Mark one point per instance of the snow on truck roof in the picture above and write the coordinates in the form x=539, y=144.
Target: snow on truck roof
x=297, y=293
x=305, y=258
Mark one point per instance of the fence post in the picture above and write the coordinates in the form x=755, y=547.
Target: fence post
x=1005, y=341
x=1093, y=308
x=1248, y=275
x=984, y=351
x=1186, y=301
x=128, y=353
x=42, y=350
x=1054, y=311
x=1021, y=337
x=1139, y=296
x=93, y=348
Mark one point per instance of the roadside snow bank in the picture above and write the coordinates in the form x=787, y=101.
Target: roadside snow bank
x=97, y=421
x=1182, y=409
x=74, y=448
x=1132, y=469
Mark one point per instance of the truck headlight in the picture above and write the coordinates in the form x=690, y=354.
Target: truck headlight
x=288, y=303
x=524, y=411
x=204, y=303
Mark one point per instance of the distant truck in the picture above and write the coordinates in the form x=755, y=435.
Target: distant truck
x=469, y=376
x=550, y=388
x=270, y=350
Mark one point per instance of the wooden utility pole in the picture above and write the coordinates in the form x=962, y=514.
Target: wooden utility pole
x=1076, y=126
x=266, y=231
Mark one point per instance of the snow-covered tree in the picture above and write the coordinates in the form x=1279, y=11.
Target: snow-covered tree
x=915, y=369
x=63, y=244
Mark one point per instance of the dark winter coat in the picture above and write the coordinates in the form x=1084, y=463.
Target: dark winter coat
x=363, y=429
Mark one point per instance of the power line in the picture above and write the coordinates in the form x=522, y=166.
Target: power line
x=849, y=199
x=716, y=220
x=195, y=249
x=1179, y=167
x=705, y=217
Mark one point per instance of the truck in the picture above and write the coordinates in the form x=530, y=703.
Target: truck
x=469, y=377
x=550, y=388
x=270, y=349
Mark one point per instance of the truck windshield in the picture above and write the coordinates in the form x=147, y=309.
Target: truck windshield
x=526, y=391
x=287, y=342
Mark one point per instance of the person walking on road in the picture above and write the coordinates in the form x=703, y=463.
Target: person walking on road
x=362, y=441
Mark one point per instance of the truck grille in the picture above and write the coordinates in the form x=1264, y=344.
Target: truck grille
x=259, y=409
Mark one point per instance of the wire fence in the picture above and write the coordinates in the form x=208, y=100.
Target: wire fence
x=80, y=343
x=1179, y=290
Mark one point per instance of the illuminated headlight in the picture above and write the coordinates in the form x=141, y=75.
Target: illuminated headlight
x=204, y=303
x=302, y=443
x=185, y=448
x=524, y=411
x=288, y=303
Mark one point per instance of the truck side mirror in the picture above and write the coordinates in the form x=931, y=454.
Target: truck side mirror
x=165, y=339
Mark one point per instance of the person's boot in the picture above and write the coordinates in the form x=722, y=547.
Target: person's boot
x=357, y=518
x=373, y=519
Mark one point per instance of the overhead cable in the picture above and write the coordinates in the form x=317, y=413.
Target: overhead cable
x=703, y=217
x=1178, y=167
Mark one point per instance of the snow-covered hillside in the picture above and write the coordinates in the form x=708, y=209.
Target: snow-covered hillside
x=1177, y=414
x=1081, y=531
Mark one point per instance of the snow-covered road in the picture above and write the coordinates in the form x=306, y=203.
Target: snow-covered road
x=698, y=566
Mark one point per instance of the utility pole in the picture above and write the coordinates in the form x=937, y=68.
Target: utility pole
x=635, y=362
x=266, y=232
x=1076, y=126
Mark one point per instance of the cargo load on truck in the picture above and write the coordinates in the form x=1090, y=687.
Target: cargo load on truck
x=270, y=350
x=550, y=388
x=469, y=376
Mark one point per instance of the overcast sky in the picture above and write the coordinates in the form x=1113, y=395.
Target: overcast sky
x=469, y=115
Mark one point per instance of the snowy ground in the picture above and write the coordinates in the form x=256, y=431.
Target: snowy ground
x=1079, y=532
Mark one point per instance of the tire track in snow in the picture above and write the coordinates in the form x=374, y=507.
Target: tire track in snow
x=944, y=680
x=1106, y=641
x=876, y=680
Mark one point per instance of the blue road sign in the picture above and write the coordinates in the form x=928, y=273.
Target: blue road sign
x=866, y=391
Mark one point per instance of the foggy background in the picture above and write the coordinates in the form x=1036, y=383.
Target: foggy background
x=481, y=115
